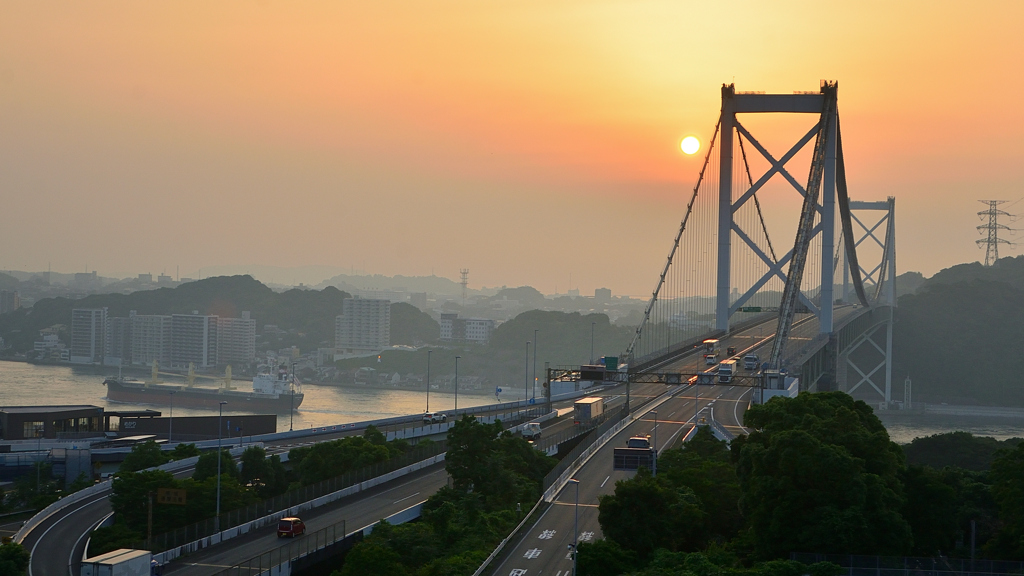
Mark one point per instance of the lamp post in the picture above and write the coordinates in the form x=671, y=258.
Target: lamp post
x=576, y=526
x=654, y=465
x=216, y=519
x=457, y=387
x=291, y=410
x=39, y=449
x=170, y=419
x=428, y=380
x=534, y=394
x=526, y=370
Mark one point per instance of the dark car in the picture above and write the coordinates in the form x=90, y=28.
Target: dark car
x=290, y=527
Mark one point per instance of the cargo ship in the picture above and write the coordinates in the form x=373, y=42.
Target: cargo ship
x=277, y=393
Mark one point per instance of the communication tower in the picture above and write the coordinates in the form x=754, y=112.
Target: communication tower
x=991, y=230
x=465, y=282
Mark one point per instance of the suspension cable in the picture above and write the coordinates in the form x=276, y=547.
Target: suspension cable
x=743, y=152
x=675, y=246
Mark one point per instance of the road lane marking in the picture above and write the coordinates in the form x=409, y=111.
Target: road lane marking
x=406, y=498
x=547, y=534
x=532, y=554
x=605, y=480
x=574, y=504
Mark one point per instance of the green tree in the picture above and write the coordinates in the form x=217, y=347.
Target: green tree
x=646, y=513
x=182, y=451
x=374, y=436
x=820, y=473
x=206, y=467
x=703, y=465
x=201, y=497
x=373, y=557
x=505, y=469
x=605, y=558
x=142, y=456
x=110, y=538
x=130, y=497
x=13, y=559
x=931, y=510
x=326, y=460
x=266, y=476
x=958, y=449
x=1008, y=491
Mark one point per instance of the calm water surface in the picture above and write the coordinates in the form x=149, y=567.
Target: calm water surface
x=24, y=384
x=30, y=385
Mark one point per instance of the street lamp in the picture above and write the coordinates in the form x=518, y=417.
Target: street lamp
x=654, y=465
x=428, y=380
x=526, y=375
x=291, y=411
x=534, y=394
x=170, y=419
x=457, y=387
x=216, y=520
x=576, y=526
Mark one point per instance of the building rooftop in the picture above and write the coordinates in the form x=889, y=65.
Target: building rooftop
x=49, y=409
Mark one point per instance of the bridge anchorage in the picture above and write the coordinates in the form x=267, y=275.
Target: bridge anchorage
x=813, y=326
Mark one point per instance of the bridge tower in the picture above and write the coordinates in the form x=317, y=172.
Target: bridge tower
x=733, y=104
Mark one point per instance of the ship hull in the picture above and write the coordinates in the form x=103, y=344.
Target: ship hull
x=237, y=401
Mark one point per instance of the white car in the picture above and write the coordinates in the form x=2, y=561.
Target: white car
x=434, y=417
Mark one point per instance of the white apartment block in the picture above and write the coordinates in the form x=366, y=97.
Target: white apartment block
x=118, y=348
x=364, y=325
x=236, y=339
x=193, y=340
x=455, y=329
x=151, y=339
x=88, y=332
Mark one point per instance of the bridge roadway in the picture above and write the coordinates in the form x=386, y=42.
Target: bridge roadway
x=544, y=547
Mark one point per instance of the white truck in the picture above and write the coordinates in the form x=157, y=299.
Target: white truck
x=123, y=562
x=750, y=362
x=587, y=409
x=726, y=370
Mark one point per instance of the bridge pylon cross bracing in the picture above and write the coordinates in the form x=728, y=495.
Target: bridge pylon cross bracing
x=723, y=274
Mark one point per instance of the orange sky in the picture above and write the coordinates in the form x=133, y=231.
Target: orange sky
x=410, y=137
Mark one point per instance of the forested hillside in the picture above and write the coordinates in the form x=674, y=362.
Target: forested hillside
x=960, y=336
x=310, y=312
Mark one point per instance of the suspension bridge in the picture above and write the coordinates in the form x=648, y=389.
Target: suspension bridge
x=826, y=302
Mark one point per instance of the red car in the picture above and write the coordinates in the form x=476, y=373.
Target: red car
x=290, y=527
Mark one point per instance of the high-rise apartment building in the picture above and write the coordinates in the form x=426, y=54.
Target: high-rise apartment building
x=236, y=338
x=117, y=349
x=364, y=326
x=151, y=339
x=193, y=340
x=88, y=333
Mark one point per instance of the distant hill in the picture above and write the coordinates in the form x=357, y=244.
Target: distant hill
x=309, y=312
x=8, y=282
x=960, y=336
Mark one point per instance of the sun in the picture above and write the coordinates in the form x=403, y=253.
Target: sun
x=690, y=145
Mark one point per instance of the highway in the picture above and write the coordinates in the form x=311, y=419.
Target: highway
x=544, y=548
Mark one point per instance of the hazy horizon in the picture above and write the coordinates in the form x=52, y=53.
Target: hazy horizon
x=418, y=139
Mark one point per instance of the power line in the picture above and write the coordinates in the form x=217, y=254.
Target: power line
x=991, y=230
